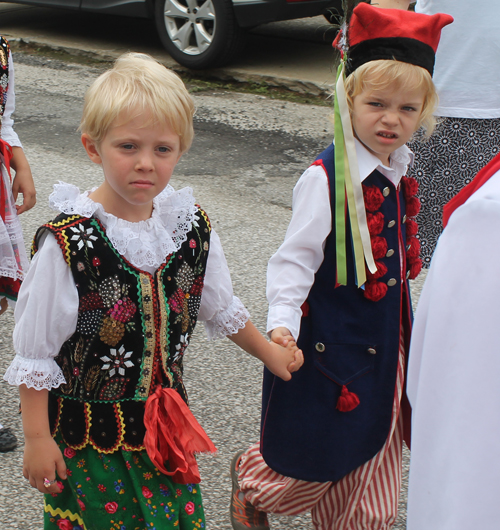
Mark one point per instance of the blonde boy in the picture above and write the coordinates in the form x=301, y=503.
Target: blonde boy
x=331, y=441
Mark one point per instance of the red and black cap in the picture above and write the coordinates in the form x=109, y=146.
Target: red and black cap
x=395, y=34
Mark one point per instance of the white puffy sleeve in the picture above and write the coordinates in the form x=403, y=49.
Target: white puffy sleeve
x=46, y=315
x=8, y=133
x=222, y=313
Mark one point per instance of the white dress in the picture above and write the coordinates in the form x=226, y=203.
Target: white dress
x=42, y=327
x=454, y=374
x=13, y=258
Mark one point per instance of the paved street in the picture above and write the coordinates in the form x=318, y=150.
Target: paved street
x=247, y=155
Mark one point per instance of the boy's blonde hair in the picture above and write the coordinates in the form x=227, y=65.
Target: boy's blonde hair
x=397, y=75
x=138, y=83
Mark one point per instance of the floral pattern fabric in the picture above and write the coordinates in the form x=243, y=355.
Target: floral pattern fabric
x=444, y=164
x=124, y=491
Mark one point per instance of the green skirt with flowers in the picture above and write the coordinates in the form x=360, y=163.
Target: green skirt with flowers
x=120, y=491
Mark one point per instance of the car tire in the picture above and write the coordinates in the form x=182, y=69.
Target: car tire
x=199, y=34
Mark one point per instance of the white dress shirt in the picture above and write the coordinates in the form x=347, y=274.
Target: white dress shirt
x=47, y=308
x=7, y=133
x=290, y=273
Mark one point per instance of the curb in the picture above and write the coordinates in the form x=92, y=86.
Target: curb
x=222, y=74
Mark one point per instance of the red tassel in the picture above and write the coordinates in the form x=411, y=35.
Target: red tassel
x=347, y=400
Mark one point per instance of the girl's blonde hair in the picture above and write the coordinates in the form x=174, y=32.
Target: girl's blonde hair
x=397, y=75
x=138, y=83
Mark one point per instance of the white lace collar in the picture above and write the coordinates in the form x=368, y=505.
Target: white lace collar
x=145, y=243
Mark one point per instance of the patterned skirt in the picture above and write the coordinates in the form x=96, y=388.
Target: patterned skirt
x=120, y=491
x=444, y=164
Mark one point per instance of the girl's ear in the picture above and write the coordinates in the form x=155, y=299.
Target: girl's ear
x=91, y=148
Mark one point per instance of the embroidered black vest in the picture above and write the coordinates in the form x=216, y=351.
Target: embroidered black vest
x=131, y=333
x=4, y=74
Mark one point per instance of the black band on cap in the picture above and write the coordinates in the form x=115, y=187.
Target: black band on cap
x=395, y=48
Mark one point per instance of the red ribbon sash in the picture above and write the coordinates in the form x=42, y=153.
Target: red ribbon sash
x=5, y=157
x=173, y=435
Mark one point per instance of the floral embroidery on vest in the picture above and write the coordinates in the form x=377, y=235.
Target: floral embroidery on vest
x=128, y=340
x=4, y=74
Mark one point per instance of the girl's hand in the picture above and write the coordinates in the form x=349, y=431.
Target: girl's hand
x=3, y=305
x=23, y=181
x=282, y=361
x=43, y=459
x=281, y=336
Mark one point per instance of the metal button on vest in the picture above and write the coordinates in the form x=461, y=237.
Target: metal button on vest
x=390, y=224
x=371, y=351
x=320, y=347
x=389, y=253
x=386, y=191
x=404, y=218
x=392, y=282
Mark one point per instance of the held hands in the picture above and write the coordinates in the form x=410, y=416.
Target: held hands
x=283, y=361
x=42, y=460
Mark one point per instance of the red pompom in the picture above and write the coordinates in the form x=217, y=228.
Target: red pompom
x=379, y=247
x=375, y=291
x=347, y=400
x=410, y=187
x=412, y=206
x=411, y=228
x=375, y=223
x=413, y=251
x=381, y=271
x=373, y=198
x=415, y=268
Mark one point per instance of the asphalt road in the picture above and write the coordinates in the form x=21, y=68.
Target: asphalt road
x=247, y=155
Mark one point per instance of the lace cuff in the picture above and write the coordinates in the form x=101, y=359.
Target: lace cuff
x=228, y=321
x=39, y=374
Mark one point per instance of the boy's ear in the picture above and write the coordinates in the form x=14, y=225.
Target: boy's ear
x=91, y=148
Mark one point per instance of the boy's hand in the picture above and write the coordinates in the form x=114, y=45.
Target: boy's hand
x=283, y=361
x=43, y=459
x=23, y=183
x=281, y=336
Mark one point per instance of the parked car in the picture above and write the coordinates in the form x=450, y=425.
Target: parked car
x=201, y=33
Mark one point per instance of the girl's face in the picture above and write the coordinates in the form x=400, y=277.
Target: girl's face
x=138, y=158
x=384, y=120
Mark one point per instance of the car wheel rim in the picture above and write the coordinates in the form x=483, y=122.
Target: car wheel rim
x=190, y=24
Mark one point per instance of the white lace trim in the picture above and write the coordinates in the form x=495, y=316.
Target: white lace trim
x=39, y=374
x=227, y=322
x=145, y=243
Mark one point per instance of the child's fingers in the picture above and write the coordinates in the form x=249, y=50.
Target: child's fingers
x=61, y=468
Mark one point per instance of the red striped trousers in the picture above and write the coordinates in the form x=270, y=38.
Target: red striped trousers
x=365, y=499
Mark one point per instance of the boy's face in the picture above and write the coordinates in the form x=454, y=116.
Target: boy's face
x=138, y=158
x=384, y=120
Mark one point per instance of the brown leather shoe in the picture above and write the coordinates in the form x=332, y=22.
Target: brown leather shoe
x=243, y=514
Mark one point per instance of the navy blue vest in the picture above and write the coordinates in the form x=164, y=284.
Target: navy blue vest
x=347, y=340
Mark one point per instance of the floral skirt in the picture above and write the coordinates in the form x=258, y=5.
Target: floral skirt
x=120, y=491
x=444, y=164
